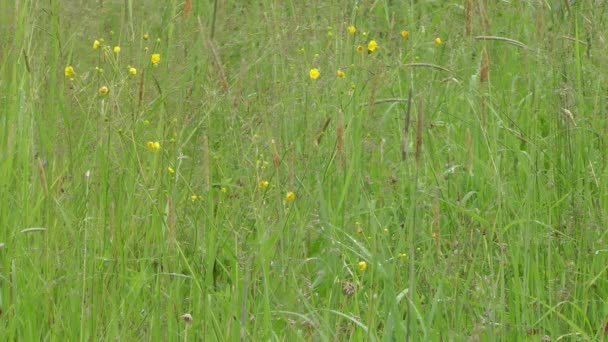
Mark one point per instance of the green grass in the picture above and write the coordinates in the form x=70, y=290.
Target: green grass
x=479, y=208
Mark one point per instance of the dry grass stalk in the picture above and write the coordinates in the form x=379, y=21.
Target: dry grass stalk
x=40, y=166
x=469, y=151
x=469, y=17
x=322, y=132
x=276, y=160
x=419, y=132
x=340, y=139
x=206, y=166
x=140, y=99
x=485, y=19
x=187, y=8
x=540, y=21
x=406, y=128
x=568, y=8
x=216, y=59
x=484, y=68
x=568, y=115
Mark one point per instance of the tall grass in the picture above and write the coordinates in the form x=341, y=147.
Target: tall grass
x=446, y=189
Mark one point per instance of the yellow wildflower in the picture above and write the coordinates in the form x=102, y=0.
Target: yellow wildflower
x=352, y=29
x=68, y=71
x=103, y=91
x=438, y=41
x=372, y=46
x=290, y=196
x=170, y=170
x=146, y=36
x=96, y=44
x=340, y=73
x=362, y=266
x=195, y=197
x=155, y=58
x=405, y=34
x=402, y=255
x=263, y=184
x=132, y=71
x=314, y=73
x=116, y=49
x=360, y=48
x=153, y=145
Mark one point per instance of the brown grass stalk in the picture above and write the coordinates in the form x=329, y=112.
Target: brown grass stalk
x=468, y=9
x=405, y=138
x=340, y=138
x=484, y=67
x=419, y=128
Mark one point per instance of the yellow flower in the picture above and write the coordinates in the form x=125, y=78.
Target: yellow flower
x=405, y=34
x=290, y=196
x=170, y=170
x=68, y=71
x=263, y=184
x=360, y=48
x=402, y=255
x=116, y=49
x=362, y=266
x=146, y=36
x=314, y=73
x=103, y=91
x=372, y=46
x=132, y=71
x=352, y=29
x=340, y=73
x=153, y=145
x=96, y=44
x=195, y=197
x=438, y=41
x=155, y=58
x=224, y=189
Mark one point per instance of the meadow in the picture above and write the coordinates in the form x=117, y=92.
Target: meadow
x=303, y=170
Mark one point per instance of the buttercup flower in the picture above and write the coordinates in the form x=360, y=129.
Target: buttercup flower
x=352, y=29
x=360, y=48
x=194, y=198
x=68, y=71
x=153, y=145
x=103, y=91
x=290, y=196
x=314, y=73
x=362, y=266
x=155, y=58
x=263, y=184
x=132, y=71
x=340, y=73
x=405, y=34
x=372, y=46
x=438, y=41
x=116, y=49
x=96, y=44
x=170, y=170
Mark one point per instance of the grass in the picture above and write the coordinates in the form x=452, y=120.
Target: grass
x=451, y=191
